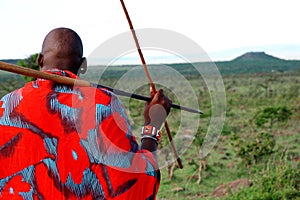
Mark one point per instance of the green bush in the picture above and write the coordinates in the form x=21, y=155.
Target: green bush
x=270, y=115
x=31, y=63
x=253, y=149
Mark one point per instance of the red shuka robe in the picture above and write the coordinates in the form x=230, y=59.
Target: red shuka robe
x=60, y=142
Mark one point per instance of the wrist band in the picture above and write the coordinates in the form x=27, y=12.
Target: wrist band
x=151, y=132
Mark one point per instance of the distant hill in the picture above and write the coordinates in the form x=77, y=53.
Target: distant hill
x=11, y=61
x=257, y=62
x=256, y=56
x=248, y=63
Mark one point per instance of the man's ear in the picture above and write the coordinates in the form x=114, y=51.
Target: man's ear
x=40, y=60
x=83, y=66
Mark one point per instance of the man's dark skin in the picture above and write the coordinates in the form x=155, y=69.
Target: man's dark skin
x=63, y=49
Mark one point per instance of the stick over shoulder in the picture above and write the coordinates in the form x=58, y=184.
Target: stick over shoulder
x=81, y=83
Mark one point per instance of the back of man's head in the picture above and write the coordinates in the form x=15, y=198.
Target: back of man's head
x=62, y=49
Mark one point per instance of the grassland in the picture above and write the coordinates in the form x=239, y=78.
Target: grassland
x=246, y=97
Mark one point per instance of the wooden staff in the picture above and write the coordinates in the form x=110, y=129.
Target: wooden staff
x=152, y=86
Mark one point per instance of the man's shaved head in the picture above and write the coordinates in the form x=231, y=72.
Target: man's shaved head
x=62, y=49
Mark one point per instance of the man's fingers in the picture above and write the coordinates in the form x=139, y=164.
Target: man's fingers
x=155, y=97
x=152, y=92
x=156, y=111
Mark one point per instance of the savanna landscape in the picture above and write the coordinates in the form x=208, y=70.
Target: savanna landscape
x=257, y=155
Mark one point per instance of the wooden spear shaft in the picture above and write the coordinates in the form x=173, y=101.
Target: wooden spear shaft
x=39, y=74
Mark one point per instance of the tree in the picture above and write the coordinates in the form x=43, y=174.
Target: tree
x=31, y=63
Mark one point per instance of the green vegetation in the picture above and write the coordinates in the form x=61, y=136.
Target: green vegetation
x=30, y=62
x=9, y=82
x=259, y=141
x=279, y=179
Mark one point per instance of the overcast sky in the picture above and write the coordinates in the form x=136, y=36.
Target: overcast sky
x=223, y=28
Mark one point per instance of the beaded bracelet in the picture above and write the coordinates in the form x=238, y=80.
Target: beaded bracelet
x=151, y=132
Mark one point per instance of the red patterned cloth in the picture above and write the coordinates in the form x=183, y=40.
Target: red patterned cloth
x=60, y=142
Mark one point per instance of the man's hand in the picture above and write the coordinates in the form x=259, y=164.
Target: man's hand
x=156, y=111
